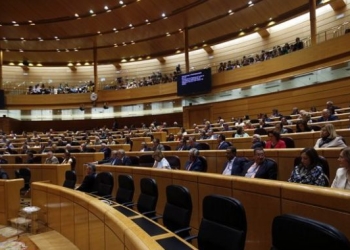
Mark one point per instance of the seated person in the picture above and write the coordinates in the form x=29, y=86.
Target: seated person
x=67, y=159
x=144, y=147
x=257, y=142
x=280, y=129
x=129, y=141
x=327, y=116
x=106, y=151
x=222, y=143
x=160, y=161
x=329, y=138
x=182, y=145
x=342, y=177
x=240, y=133
x=309, y=170
x=302, y=126
x=234, y=165
x=211, y=135
x=260, y=167
x=170, y=137
x=89, y=179
x=51, y=159
x=30, y=158
x=194, y=163
x=193, y=144
x=157, y=145
x=275, y=140
x=2, y=160
x=122, y=159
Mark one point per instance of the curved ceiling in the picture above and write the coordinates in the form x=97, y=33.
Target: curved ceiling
x=58, y=32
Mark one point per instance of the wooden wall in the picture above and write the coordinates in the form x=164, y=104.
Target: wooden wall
x=9, y=199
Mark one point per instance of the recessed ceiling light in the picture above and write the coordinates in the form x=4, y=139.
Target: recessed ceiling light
x=121, y=2
x=91, y=12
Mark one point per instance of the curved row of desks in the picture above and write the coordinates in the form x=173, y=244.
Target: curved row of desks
x=90, y=224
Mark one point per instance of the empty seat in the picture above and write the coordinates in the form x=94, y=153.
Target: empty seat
x=291, y=232
x=289, y=142
x=204, y=162
x=204, y=146
x=178, y=210
x=167, y=147
x=126, y=189
x=223, y=225
x=134, y=160
x=174, y=161
x=260, y=131
x=70, y=179
x=146, y=160
x=104, y=184
x=147, y=201
x=25, y=174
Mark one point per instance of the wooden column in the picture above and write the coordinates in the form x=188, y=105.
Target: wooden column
x=97, y=85
x=312, y=9
x=187, y=58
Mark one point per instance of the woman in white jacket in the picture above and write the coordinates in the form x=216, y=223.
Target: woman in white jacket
x=342, y=178
x=329, y=138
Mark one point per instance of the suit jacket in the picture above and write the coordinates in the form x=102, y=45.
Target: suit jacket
x=267, y=170
x=88, y=183
x=330, y=118
x=223, y=145
x=340, y=178
x=196, y=166
x=196, y=145
x=124, y=161
x=180, y=148
x=237, y=165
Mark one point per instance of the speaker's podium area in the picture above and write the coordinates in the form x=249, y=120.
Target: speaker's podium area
x=63, y=218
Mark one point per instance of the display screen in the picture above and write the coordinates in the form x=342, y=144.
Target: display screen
x=193, y=83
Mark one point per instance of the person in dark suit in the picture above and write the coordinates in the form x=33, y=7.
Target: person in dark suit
x=122, y=159
x=234, y=165
x=193, y=144
x=261, y=167
x=194, y=163
x=89, y=180
x=327, y=116
x=223, y=144
x=182, y=145
x=106, y=151
x=144, y=147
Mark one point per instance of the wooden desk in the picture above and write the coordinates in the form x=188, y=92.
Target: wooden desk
x=9, y=199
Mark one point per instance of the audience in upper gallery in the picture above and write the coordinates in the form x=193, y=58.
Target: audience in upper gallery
x=257, y=142
x=280, y=129
x=194, y=163
x=329, y=138
x=51, y=159
x=331, y=107
x=260, y=167
x=309, y=170
x=275, y=140
x=160, y=161
x=302, y=126
x=203, y=135
x=342, y=176
x=225, y=127
x=285, y=121
x=275, y=113
x=327, y=116
x=222, y=143
x=89, y=180
x=234, y=165
x=240, y=133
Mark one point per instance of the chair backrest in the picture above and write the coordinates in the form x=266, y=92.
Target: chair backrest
x=126, y=189
x=178, y=209
x=290, y=232
x=174, y=161
x=74, y=163
x=204, y=162
x=260, y=131
x=146, y=160
x=18, y=160
x=204, y=146
x=148, y=198
x=322, y=162
x=315, y=127
x=134, y=160
x=289, y=142
x=37, y=159
x=104, y=183
x=3, y=175
x=167, y=147
x=25, y=174
x=289, y=130
x=70, y=179
x=223, y=225
x=60, y=159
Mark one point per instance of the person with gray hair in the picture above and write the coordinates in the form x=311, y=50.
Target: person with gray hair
x=122, y=158
x=194, y=163
x=257, y=142
x=51, y=159
x=89, y=180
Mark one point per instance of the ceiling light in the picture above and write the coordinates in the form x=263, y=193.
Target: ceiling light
x=121, y=2
x=70, y=64
x=132, y=59
x=91, y=12
x=76, y=15
x=250, y=2
x=78, y=64
x=11, y=64
x=31, y=64
x=39, y=65
x=86, y=64
x=163, y=14
x=106, y=7
x=130, y=25
x=124, y=60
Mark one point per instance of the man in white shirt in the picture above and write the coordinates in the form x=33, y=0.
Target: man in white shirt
x=234, y=165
